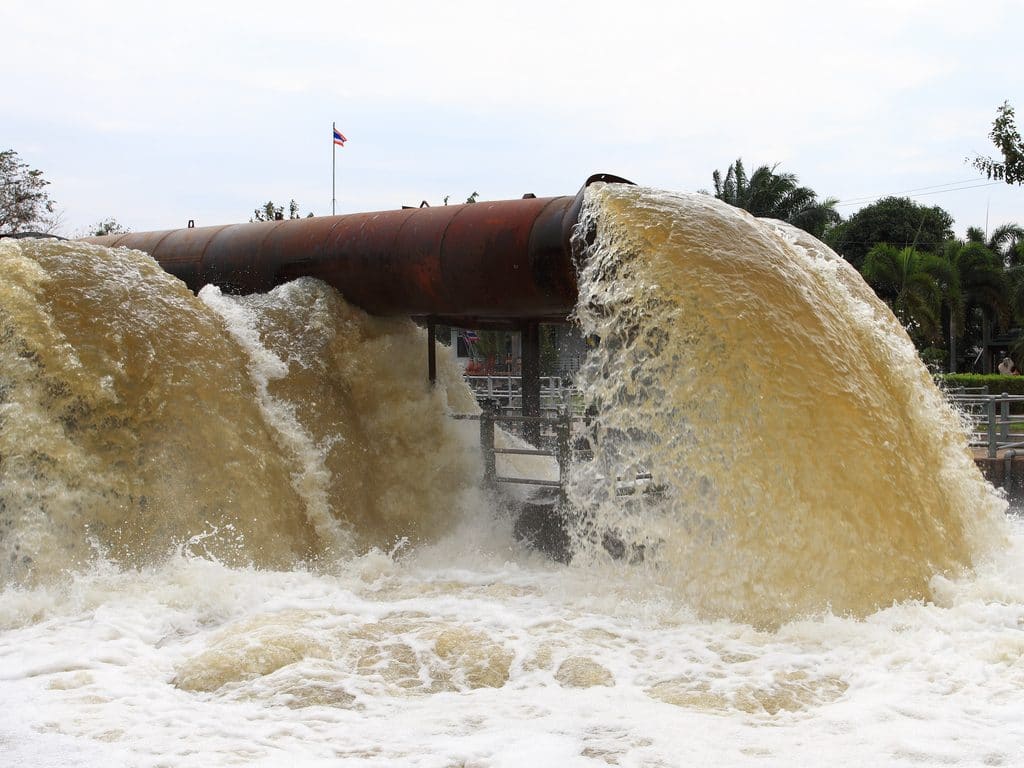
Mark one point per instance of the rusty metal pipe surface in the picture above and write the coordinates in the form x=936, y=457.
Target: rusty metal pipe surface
x=483, y=262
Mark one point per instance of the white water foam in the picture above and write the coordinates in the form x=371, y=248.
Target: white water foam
x=501, y=660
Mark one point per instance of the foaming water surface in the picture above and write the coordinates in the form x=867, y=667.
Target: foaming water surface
x=243, y=531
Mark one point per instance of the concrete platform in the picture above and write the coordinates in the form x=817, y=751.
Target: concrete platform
x=1005, y=471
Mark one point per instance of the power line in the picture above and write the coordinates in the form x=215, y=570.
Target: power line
x=943, y=184
x=951, y=184
x=949, y=187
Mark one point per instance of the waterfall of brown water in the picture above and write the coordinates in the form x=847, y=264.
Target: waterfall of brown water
x=807, y=459
x=136, y=417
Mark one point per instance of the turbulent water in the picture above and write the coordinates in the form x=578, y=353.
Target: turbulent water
x=244, y=531
x=270, y=430
x=807, y=459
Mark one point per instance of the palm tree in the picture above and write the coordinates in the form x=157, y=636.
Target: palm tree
x=915, y=284
x=982, y=288
x=772, y=195
x=1006, y=240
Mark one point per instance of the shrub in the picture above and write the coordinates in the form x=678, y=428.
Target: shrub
x=995, y=383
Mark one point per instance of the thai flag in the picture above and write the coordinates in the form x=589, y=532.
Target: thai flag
x=339, y=138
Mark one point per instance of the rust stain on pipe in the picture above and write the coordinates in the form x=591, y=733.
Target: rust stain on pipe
x=489, y=262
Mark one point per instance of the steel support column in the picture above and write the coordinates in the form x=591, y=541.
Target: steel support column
x=431, y=352
x=530, y=331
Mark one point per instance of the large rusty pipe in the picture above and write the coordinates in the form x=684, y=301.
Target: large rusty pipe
x=483, y=263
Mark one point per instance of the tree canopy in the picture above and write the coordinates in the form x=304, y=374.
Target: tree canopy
x=25, y=204
x=1004, y=241
x=897, y=221
x=1006, y=137
x=768, y=194
x=110, y=226
x=270, y=212
x=471, y=199
x=916, y=285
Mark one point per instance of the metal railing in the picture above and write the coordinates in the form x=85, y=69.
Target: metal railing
x=996, y=421
x=560, y=446
x=507, y=391
x=561, y=449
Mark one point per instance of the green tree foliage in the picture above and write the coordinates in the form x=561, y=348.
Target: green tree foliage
x=109, y=226
x=768, y=194
x=25, y=204
x=1006, y=137
x=471, y=199
x=915, y=284
x=897, y=221
x=981, y=278
x=270, y=212
x=1005, y=241
x=982, y=291
x=1015, y=299
x=1015, y=257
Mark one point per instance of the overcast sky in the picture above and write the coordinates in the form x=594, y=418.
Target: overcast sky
x=156, y=113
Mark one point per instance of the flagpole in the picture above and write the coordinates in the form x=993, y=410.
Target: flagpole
x=334, y=154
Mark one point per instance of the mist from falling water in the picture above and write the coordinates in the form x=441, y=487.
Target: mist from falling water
x=805, y=459
x=137, y=418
